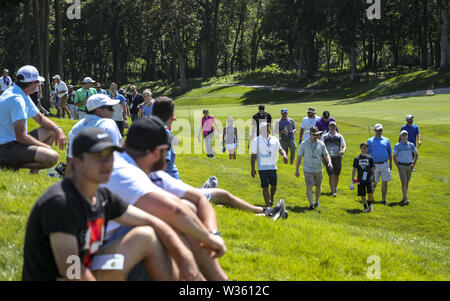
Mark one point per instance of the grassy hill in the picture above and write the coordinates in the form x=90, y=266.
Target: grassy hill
x=331, y=243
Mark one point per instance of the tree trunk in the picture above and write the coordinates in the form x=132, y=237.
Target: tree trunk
x=44, y=9
x=256, y=36
x=213, y=56
x=424, y=36
x=300, y=64
x=353, y=67
x=27, y=6
x=180, y=57
x=59, y=38
x=37, y=26
x=444, y=66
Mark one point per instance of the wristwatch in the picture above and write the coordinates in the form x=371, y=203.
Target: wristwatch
x=215, y=232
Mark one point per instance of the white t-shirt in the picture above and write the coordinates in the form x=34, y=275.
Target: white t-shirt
x=61, y=87
x=129, y=182
x=118, y=112
x=307, y=123
x=5, y=83
x=166, y=182
x=266, y=151
x=91, y=120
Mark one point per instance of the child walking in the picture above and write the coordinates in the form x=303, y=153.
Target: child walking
x=366, y=169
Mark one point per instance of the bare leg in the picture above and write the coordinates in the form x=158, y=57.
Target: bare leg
x=266, y=196
x=336, y=182
x=309, y=194
x=384, y=187
x=273, y=190
x=318, y=192
x=331, y=182
x=363, y=199
x=292, y=157
x=44, y=158
x=209, y=267
x=139, y=244
x=223, y=197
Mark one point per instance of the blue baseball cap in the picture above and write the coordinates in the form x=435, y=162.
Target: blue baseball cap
x=284, y=111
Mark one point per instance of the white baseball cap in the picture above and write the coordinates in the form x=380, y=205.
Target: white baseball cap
x=403, y=133
x=409, y=117
x=57, y=77
x=88, y=80
x=378, y=127
x=30, y=74
x=100, y=100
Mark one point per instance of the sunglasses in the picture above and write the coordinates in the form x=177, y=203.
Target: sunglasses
x=109, y=108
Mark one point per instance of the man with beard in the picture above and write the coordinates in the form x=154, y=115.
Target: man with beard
x=413, y=131
x=307, y=123
x=130, y=181
x=261, y=116
x=67, y=226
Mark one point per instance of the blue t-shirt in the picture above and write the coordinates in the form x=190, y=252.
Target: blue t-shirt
x=147, y=110
x=405, y=152
x=171, y=168
x=15, y=105
x=289, y=125
x=379, y=149
x=413, y=131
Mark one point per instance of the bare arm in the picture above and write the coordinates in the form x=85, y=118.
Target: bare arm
x=180, y=253
x=64, y=245
x=297, y=166
x=353, y=174
x=390, y=161
x=170, y=209
x=302, y=131
x=252, y=164
x=205, y=211
x=283, y=154
x=60, y=137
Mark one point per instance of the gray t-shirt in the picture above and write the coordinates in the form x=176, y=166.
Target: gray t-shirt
x=312, y=154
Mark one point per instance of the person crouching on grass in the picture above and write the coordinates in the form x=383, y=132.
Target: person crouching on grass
x=230, y=139
x=405, y=158
x=264, y=150
x=366, y=170
x=70, y=219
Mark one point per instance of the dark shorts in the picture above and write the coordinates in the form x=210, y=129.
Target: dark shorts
x=268, y=177
x=288, y=145
x=337, y=166
x=13, y=154
x=120, y=126
x=365, y=188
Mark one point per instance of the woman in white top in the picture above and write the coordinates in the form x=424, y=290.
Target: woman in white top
x=230, y=138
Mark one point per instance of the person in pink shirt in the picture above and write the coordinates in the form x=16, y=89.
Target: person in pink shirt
x=207, y=128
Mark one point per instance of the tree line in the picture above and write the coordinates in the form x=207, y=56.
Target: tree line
x=175, y=40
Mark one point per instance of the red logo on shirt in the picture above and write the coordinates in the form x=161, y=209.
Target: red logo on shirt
x=93, y=239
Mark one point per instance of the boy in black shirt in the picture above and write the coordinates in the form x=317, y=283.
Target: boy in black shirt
x=66, y=228
x=366, y=169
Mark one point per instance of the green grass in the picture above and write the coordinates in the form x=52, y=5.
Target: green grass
x=332, y=243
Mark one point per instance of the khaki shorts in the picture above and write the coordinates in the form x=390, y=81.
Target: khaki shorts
x=405, y=172
x=313, y=179
x=382, y=171
x=63, y=100
x=13, y=154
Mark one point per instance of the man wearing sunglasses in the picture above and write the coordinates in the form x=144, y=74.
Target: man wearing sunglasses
x=99, y=114
x=381, y=151
x=18, y=148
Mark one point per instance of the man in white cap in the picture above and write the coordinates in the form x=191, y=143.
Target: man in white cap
x=413, y=131
x=405, y=158
x=18, y=148
x=62, y=92
x=99, y=114
x=5, y=81
x=381, y=151
x=307, y=123
x=82, y=95
x=265, y=149
x=312, y=151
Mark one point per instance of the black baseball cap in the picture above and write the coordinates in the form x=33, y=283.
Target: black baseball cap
x=262, y=107
x=326, y=114
x=92, y=140
x=147, y=134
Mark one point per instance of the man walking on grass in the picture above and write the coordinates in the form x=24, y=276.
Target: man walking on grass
x=286, y=128
x=405, y=158
x=381, y=151
x=265, y=149
x=336, y=148
x=412, y=130
x=82, y=95
x=62, y=92
x=307, y=123
x=69, y=221
x=313, y=150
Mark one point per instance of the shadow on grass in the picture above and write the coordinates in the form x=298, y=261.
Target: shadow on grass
x=401, y=204
x=298, y=209
x=354, y=211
